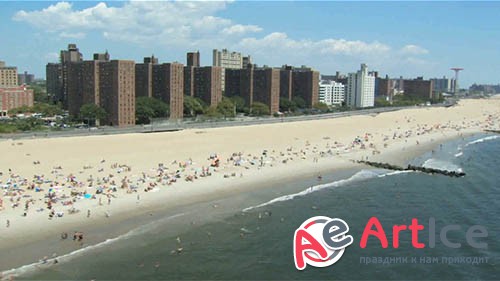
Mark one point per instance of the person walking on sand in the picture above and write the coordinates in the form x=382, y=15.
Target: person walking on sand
x=8, y=223
x=88, y=213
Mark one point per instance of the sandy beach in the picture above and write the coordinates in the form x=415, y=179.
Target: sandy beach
x=54, y=187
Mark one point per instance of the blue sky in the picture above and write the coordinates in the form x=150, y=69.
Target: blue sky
x=395, y=38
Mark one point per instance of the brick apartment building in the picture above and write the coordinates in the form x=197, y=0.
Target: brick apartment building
x=254, y=85
x=117, y=92
x=168, y=86
x=418, y=88
x=305, y=84
x=144, y=77
x=14, y=97
x=83, y=85
x=207, y=84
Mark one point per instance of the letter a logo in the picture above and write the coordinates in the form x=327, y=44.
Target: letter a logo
x=320, y=241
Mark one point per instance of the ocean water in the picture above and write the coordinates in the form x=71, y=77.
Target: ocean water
x=255, y=241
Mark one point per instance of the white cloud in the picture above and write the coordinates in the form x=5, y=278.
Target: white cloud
x=241, y=29
x=76, y=35
x=137, y=21
x=282, y=42
x=180, y=25
x=413, y=50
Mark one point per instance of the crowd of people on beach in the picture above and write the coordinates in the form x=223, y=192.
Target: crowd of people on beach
x=63, y=190
x=61, y=193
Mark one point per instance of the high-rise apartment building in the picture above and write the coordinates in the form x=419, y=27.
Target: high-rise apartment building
x=255, y=85
x=72, y=54
x=25, y=78
x=207, y=84
x=193, y=59
x=385, y=88
x=360, y=88
x=117, y=92
x=144, y=77
x=53, y=72
x=226, y=59
x=266, y=88
x=8, y=76
x=189, y=80
x=83, y=85
x=247, y=84
x=102, y=56
x=305, y=84
x=331, y=93
x=418, y=88
x=443, y=85
x=168, y=86
x=246, y=61
x=240, y=82
x=233, y=86
x=286, y=82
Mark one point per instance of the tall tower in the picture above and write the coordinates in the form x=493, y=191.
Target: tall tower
x=193, y=59
x=457, y=70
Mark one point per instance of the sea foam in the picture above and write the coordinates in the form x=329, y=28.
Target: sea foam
x=359, y=176
x=482, y=140
x=441, y=165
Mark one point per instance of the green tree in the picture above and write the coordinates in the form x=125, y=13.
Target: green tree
x=43, y=108
x=381, y=102
x=259, y=109
x=239, y=102
x=323, y=107
x=18, y=110
x=143, y=112
x=287, y=105
x=192, y=106
x=92, y=111
x=47, y=109
x=160, y=108
x=212, y=112
x=226, y=108
x=147, y=108
x=39, y=93
x=299, y=102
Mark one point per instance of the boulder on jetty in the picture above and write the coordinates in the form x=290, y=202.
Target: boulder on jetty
x=388, y=166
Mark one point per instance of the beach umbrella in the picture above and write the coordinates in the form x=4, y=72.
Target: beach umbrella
x=87, y=196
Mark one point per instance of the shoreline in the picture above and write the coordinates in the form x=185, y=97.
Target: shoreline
x=127, y=222
x=306, y=142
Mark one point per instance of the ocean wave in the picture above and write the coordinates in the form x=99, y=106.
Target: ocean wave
x=359, y=176
x=441, y=165
x=395, y=173
x=459, y=154
x=29, y=268
x=482, y=140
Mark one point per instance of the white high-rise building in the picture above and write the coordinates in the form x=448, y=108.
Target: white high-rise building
x=331, y=92
x=360, y=88
x=226, y=59
x=443, y=85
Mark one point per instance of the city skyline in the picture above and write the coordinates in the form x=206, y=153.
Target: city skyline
x=398, y=38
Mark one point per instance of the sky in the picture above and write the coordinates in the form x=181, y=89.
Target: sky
x=406, y=39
